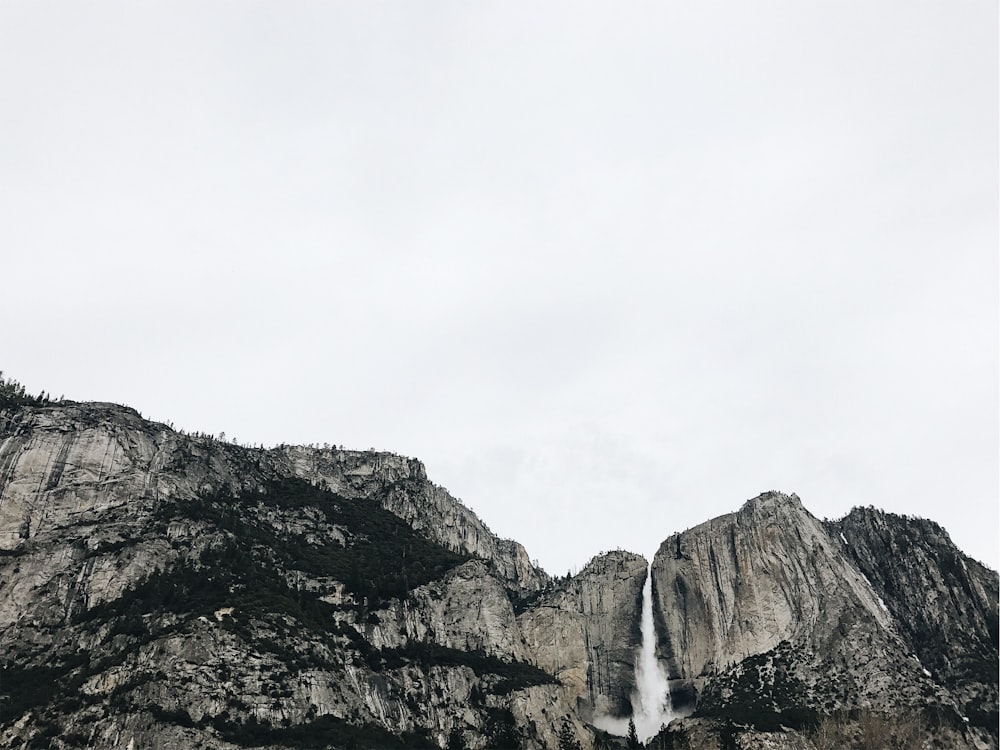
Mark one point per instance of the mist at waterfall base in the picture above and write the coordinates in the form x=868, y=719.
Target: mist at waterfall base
x=651, y=699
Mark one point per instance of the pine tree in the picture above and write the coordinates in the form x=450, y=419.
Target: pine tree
x=568, y=740
x=633, y=738
x=455, y=741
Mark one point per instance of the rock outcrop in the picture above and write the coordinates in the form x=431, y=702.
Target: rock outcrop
x=68, y=460
x=768, y=617
x=741, y=584
x=467, y=610
x=586, y=632
x=159, y=589
x=400, y=485
x=943, y=602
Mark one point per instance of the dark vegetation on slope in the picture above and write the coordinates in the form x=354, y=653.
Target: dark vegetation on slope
x=25, y=687
x=251, y=563
x=506, y=676
x=13, y=394
x=323, y=732
x=911, y=562
x=761, y=692
x=331, y=732
x=383, y=559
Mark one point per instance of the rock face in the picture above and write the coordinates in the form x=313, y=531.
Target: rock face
x=467, y=610
x=586, y=632
x=740, y=585
x=943, y=602
x=400, y=485
x=772, y=617
x=161, y=590
x=72, y=459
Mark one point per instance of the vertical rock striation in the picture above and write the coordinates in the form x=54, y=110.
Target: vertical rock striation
x=742, y=583
x=158, y=588
x=61, y=464
x=586, y=632
x=771, y=618
x=944, y=602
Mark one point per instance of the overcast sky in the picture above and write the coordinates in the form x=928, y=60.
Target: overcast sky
x=608, y=269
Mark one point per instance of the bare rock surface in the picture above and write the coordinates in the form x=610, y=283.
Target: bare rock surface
x=65, y=463
x=401, y=486
x=741, y=584
x=468, y=609
x=160, y=589
x=767, y=617
x=944, y=602
x=586, y=632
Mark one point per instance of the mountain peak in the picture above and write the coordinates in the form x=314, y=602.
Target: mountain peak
x=772, y=499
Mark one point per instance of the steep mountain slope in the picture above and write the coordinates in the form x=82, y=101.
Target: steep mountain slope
x=400, y=485
x=61, y=459
x=157, y=588
x=768, y=619
x=943, y=602
x=586, y=632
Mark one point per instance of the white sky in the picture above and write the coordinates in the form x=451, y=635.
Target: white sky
x=609, y=269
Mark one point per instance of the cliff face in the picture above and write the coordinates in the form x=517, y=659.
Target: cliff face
x=59, y=462
x=586, y=632
x=467, y=609
x=161, y=590
x=771, y=616
x=400, y=485
x=943, y=602
x=741, y=584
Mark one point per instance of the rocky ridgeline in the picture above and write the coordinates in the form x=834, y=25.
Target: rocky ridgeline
x=745, y=583
x=943, y=602
x=586, y=632
x=400, y=485
x=770, y=618
x=161, y=588
x=64, y=460
x=166, y=590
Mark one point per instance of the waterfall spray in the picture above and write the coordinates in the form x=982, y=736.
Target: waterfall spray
x=651, y=698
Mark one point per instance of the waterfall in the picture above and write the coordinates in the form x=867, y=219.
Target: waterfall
x=651, y=698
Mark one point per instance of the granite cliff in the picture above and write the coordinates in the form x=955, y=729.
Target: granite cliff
x=161, y=589
x=165, y=590
x=771, y=618
x=586, y=632
x=943, y=602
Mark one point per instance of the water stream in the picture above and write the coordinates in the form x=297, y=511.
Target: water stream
x=651, y=701
x=651, y=698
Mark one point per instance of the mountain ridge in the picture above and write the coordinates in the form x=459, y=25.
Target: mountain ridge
x=162, y=588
